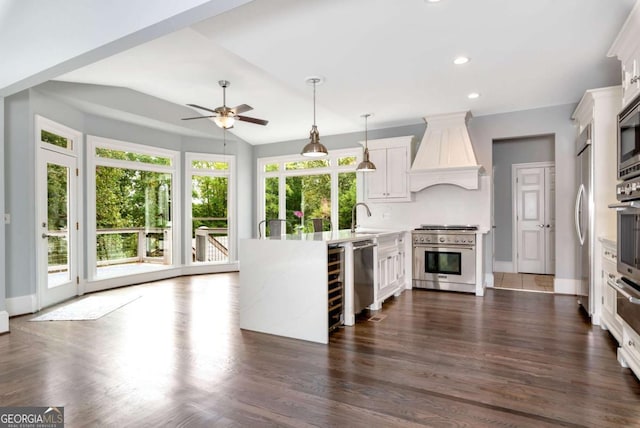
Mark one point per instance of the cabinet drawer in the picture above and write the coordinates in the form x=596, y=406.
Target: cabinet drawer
x=630, y=349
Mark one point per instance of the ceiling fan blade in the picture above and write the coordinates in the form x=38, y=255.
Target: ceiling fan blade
x=202, y=108
x=252, y=120
x=197, y=117
x=241, y=108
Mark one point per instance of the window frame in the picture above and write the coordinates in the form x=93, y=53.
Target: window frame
x=333, y=170
x=230, y=174
x=93, y=161
x=44, y=124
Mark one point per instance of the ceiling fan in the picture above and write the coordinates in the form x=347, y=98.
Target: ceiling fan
x=225, y=116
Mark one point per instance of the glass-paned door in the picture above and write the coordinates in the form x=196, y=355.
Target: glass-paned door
x=57, y=233
x=308, y=196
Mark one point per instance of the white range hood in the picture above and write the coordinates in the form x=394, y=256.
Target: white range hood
x=445, y=155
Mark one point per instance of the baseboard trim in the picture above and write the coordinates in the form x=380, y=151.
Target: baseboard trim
x=4, y=321
x=501, y=266
x=488, y=280
x=566, y=286
x=122, y=281
x=22, y=305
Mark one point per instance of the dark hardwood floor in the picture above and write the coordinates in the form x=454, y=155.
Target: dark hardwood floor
x=176, y=357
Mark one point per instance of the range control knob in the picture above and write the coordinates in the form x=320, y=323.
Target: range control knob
x=442, y=239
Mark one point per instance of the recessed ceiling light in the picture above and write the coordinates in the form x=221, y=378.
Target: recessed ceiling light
x=473, y=95
x=432, y=1
x=461, y=60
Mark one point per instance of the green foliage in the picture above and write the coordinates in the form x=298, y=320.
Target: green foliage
x=55, y=140
x=346, y=198
x=131, y=156
x=271, y=203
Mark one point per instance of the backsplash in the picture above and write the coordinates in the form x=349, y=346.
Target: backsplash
x=441, y=204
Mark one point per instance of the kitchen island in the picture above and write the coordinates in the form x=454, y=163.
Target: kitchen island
x=285, y=280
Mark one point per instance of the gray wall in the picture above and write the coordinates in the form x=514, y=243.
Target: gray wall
x=20, y=170
x=505, y=154
x=20, y=270
x=2, y=197
x=554, y=121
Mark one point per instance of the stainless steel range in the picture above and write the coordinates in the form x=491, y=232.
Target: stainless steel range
x=444, y=257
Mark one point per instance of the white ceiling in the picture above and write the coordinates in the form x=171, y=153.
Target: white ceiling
x=387, y=57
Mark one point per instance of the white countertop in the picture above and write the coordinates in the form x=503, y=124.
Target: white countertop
x=337, y=236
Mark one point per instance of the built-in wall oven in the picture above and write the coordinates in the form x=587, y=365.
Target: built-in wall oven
x=629, y=141
x=444, y=257
x=628, y=236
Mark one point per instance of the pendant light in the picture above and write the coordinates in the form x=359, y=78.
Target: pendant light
x=314, y=148
x=366, y=165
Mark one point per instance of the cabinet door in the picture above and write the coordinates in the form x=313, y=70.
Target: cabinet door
x=397, y=172
x=630, y=81
x=377, y=180
x=383, y=273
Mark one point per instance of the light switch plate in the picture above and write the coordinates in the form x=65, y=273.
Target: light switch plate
x=7, y=218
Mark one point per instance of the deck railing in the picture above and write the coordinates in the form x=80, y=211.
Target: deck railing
x=116, y=246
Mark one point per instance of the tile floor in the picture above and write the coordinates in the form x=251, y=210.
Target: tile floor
x=523, y=281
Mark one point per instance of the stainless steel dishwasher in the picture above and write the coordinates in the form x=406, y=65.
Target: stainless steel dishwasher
x=363, y=268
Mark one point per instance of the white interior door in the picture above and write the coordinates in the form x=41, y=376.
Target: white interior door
x=550, y=216
x=57, y=227
x=535, y=219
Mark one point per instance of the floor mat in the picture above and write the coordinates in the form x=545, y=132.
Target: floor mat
x=89, y=308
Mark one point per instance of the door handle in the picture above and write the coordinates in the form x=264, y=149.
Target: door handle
x=547, y=226
x=541, y=225
x=47, y=235
x=579, y=197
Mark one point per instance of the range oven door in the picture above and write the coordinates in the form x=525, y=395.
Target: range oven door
x=628, y=302
x=455, y=264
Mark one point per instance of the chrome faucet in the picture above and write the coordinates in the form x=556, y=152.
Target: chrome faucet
x=353, y=215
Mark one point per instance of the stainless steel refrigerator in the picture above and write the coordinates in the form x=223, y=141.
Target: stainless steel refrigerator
x=584, y=219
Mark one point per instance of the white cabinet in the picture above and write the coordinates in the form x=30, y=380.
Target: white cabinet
x=629, y=350
x=631, y=78
x=626, y=48
x=391, y=271
x=609, y=319
x=390, y=181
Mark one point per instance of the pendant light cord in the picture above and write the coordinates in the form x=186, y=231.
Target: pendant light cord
x=366, y=146
x=314, y=102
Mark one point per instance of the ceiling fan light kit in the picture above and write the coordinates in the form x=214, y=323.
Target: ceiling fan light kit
x=224, y=116
x=366, y=165
x=225, y=122
x=314, y=148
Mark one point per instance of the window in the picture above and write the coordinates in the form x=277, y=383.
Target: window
x=299, y=190
x=133, y=189
x=209, y=197
x=57, y=137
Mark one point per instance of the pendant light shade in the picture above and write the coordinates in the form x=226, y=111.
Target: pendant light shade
x=366, y=165
x=314, y=148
